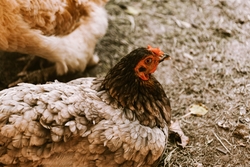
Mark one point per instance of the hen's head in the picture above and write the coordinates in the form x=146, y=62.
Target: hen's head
x=148, y=61
x=131, y=84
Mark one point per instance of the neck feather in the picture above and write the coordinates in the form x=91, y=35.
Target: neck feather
x=145, y=101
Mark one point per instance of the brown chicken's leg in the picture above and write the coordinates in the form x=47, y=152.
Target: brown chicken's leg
x=38, y=76
x=31, y=61
x=31, y=74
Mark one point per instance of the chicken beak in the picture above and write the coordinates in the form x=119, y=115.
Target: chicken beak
x=165, y=57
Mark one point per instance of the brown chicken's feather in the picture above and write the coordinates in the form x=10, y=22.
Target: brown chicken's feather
x=53, y=17
x=147, y=98
x=62, y=31
x=82, y=123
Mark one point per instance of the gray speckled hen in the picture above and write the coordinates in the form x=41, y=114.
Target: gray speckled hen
x=119, y=120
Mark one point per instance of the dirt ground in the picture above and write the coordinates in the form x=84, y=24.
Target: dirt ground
x=209, y=41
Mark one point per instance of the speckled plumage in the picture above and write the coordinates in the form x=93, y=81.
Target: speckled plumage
x=62, y=31
x=74, y=124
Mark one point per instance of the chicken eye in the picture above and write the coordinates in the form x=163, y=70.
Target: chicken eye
x=148, y=61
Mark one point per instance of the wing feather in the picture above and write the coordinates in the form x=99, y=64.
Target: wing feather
x=53, y=17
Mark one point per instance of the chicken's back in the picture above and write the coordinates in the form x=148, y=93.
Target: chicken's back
x=60, y=124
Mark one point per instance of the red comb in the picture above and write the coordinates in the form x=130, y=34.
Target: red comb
x=157, y=51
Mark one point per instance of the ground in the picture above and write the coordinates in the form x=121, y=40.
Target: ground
x=209, y=42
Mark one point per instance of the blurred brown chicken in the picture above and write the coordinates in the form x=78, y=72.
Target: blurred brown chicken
x=119, y=120
x=62, y=31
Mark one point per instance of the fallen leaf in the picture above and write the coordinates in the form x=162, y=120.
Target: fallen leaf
x=224, y=32
x=175, y=127
x=197, y=110
x=130, y=10
x=182, y=24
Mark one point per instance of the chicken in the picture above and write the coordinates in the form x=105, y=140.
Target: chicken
x=62, y=31
x=121, y=119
